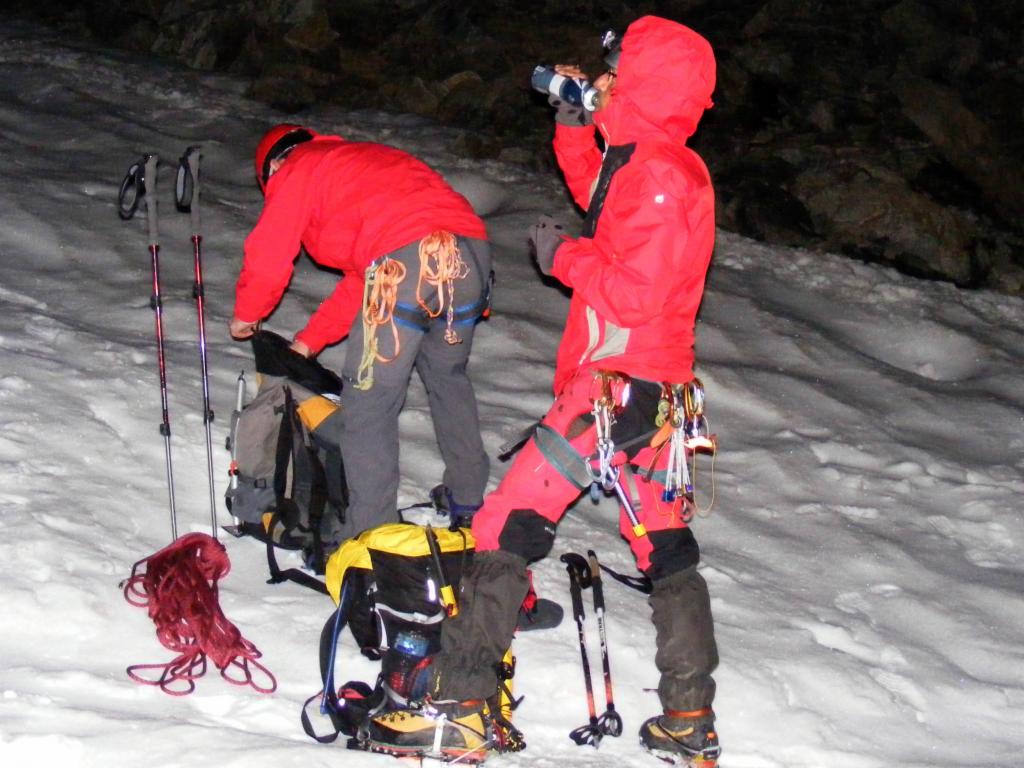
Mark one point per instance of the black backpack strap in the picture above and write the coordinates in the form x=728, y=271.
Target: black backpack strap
x=283, y=492
x=293, y=452
x=297, y=575
x=337, y=488
x=308, y=464
x=639, y=583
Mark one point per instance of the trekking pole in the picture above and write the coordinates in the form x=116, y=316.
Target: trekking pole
x=186, y=198
x=133, y=190
x=579, y=579
x=610, y=722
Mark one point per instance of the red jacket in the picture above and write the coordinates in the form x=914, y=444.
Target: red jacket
x=347, y=203
x=638, y=280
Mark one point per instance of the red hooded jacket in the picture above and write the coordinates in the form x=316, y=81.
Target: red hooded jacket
x=637, y=281
x=347, y=203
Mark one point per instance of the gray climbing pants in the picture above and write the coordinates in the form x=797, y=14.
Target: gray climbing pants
x=369, y=440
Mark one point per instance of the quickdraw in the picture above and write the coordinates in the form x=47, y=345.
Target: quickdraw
x=611, y=399
x=683, y=432
x=685, y=428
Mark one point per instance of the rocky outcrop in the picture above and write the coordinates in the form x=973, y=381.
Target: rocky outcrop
x=886, y=129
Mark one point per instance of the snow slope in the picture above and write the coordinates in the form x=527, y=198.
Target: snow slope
x=862, y=551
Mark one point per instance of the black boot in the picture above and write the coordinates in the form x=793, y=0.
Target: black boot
x=444, y=503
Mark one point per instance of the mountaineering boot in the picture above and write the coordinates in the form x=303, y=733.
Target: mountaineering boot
x=446, y=730
x=444, y=503
x=537, y=612
x=682, y=738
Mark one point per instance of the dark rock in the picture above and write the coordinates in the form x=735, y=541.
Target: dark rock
x=887, y=129
x=867, y=210
x=313, y=34
x=475, y=146
x=964, y=141
x=291, y=88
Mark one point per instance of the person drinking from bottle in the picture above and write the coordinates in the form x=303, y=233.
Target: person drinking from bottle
x=637, y=277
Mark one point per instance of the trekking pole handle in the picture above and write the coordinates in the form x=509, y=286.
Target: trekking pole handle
x=579, y=579
x=578, y=567
x=151, y=198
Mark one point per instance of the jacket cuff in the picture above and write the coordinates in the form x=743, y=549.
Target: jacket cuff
x=560, y=264
x=310, y=340
x=573, y=134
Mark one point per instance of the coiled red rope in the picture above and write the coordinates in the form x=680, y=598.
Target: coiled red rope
x=179, y=590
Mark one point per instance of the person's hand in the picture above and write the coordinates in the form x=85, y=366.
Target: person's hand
x=571, y=70
x=301, y=348
x=545, y=237
x=565, y=113
x=240, y=329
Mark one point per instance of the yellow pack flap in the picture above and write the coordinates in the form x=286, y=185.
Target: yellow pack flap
x=393, y=538
x=314, y=410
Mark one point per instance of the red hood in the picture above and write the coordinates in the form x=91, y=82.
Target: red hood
x=665, y=78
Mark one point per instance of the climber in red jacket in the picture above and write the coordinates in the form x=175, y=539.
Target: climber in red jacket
x=637, y=277
x=416, y=276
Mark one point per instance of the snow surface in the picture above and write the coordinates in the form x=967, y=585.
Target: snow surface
x=863, y=552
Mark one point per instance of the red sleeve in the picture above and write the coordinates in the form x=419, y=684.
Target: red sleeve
x=579, y=158
x=628, y=271
x=272, y=246
x=333, y=318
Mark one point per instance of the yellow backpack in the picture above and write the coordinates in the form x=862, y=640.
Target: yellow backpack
x=394, y=586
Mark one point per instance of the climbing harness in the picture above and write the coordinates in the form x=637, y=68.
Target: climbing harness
x=441, y=265
x=682, y=429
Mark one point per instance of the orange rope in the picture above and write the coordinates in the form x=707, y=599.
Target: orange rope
x=441, y=265
x=380, y=295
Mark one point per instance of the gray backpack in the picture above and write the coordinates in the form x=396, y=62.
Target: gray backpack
x=288, y=482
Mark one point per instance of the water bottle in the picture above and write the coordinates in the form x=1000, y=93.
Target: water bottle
x=405, y=664
x=575, y=91
x=412, y=643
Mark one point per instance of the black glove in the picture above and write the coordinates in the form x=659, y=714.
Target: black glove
x=545, y=237
x=570, y=114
